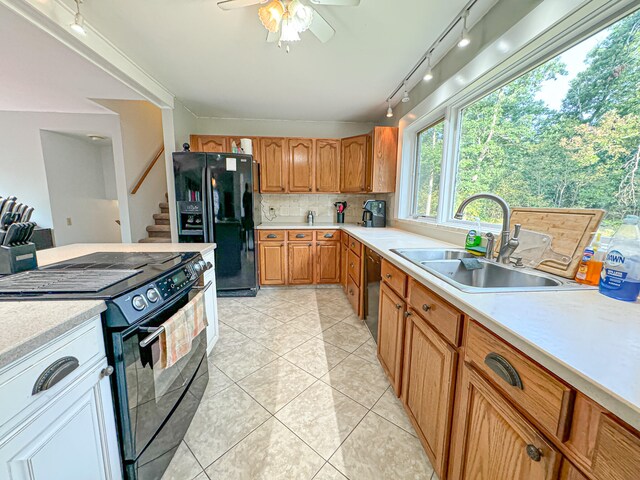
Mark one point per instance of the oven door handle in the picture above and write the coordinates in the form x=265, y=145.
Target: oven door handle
x=203, y=288
x=155, y=333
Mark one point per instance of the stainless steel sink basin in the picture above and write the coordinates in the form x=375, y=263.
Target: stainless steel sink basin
x=492, y=277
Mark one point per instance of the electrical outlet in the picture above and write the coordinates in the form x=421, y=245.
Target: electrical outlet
x=68, y=221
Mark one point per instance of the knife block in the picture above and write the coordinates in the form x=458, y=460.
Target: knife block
x=17, y=258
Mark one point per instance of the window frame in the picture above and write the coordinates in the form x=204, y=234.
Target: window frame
x=546, y=48
x=416, y=172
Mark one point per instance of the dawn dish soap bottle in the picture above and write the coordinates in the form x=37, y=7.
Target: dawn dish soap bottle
x=620, y=277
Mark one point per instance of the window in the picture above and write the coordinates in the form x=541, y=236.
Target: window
x=429, y=162
x=566, y=134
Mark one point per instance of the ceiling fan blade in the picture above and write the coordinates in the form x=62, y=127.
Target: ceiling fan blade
x=273, y=37
x=231, y=4
x=341, y=3
x=321, y=28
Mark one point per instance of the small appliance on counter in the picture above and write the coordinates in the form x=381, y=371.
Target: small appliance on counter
x=17, y=252
x=374, y=213
x=340, y=208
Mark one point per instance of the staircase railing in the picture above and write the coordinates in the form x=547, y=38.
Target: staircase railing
x=146, y=172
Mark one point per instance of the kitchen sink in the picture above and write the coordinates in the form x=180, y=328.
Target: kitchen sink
x=492, y=277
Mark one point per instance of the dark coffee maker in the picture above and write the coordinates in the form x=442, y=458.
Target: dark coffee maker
x=374, y=213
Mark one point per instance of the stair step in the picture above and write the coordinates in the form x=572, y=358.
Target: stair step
x=161, y=218
x=164, y=206
x=155, y=240
x=159, y=228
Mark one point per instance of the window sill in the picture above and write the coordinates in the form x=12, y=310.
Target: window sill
x=455, y=233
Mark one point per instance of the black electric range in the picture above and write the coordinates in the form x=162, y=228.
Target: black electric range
x=154, y=407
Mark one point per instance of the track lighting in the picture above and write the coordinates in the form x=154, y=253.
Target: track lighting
x=464, y=36
x=78, y=22
x=389, y=110
x=429, y=75
x=405, y=95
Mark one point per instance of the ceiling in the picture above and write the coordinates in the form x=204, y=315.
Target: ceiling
x=41, y=74
x=218, y=64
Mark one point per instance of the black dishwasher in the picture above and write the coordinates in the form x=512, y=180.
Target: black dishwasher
x=372, y=292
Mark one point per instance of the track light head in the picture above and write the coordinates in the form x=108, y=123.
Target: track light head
x=389, y=110
x=78, y=21
x=405, y=95
x=464, y=36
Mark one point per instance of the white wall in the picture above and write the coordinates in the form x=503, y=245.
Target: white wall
x=22, y=167
x=184, y=124
x=142, y=137
x=83, y=198
x=279, y=128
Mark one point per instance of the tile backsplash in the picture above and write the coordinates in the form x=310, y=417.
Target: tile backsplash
x=293, y=208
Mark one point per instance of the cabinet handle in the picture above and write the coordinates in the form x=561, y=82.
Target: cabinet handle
x=328, y=235
x=106, y=372
x=407, y=314
x=54, y=373
x=534, y=453
x=353, y=244
x=310, y=245
x=272, y=235
x=351, y=264
x=501, y=367
x=309, y=188
x=426, y=307
x=388, y=275
x=398, y=306
x=300, y=235
x=351, y=292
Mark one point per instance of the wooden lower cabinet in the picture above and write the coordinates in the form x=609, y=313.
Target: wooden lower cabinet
x=391, y=335
x=273, y=266
x=428, y=383
x=300, y=263
x=344, y=259
x=569, y=472
x=493, y=441
x=327, y=256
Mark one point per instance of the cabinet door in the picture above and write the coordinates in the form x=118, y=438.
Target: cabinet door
x=353, y=158
x=209, y=143
x=391, y=334
x=272, y=264
x=300, y=263
x=344, y=267
x=494, y=441
x=328, y=262
x=72, y=438
x=273, y=165
x=327, y=155
x=301, y=156
x=381, y=171
x=427, y=387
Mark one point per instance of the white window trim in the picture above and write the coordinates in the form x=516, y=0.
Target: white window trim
x=540, y=36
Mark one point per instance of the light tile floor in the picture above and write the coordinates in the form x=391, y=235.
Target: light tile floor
x=296, y=392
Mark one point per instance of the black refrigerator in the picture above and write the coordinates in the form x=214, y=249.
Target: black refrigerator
x=216, y=202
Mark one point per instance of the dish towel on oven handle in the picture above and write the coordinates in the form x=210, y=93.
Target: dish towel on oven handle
x=181, y=329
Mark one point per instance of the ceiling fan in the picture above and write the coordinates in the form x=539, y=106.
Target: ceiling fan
x=286, y=19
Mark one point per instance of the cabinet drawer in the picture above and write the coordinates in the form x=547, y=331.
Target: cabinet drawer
x=446, y=319
x=353, y=294
x=328, y=235
x=355, y=246
x=394, y=277
x=543, y=397
x=345, y=238
x=271, y=235
x=300, y=235
x=354, y=267
x=85, y=345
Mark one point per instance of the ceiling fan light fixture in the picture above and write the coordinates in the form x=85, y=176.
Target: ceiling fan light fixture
x=271, y=15
x=289, y=30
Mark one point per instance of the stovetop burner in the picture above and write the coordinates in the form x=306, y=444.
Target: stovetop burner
x=114, y=261
x=63, y=281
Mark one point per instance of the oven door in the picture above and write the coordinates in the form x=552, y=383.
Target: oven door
x=147, y=395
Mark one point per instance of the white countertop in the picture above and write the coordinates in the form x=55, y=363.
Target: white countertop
x=589, y=340
x=27, y=325
x=302, y=226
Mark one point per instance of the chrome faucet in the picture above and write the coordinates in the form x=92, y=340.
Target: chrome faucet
x=508, y=244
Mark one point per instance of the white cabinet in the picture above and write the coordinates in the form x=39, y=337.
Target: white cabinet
x=211, y=301
x=69, y=434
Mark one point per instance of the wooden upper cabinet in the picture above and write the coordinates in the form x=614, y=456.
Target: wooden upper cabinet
x=273, y=165
x=354, y=164
x=301, y=164
x=328, y=262
x=300, y=263
x=327, y=154
x=383, y=155
x=428, y=382
x=209, y=143
x=391, y=334
x=493, y=441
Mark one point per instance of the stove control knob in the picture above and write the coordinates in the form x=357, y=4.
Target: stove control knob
x=203, y=265
x=197, y=268
x=139, y=303
x=152, y=295
x=209, y=265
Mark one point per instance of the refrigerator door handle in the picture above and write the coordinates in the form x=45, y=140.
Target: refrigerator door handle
x=209, y=207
